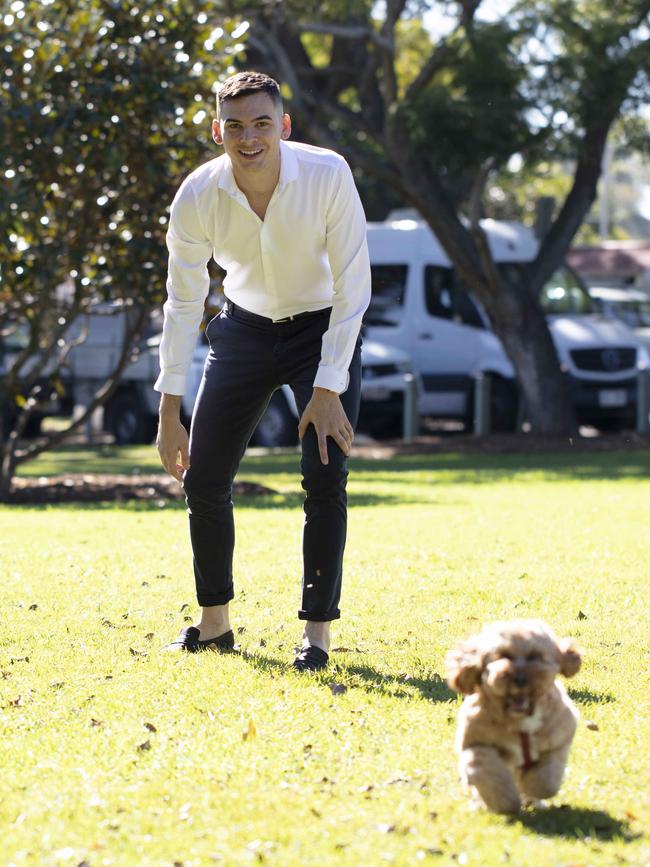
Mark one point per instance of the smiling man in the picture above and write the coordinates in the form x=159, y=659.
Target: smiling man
x=285, y=222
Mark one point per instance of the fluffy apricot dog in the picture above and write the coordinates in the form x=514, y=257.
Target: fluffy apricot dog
x=517, y=722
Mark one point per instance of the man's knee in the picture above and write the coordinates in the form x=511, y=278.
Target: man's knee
x=201, y=496
x=320, y=479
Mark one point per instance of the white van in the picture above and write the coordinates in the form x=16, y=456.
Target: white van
x=420, y=305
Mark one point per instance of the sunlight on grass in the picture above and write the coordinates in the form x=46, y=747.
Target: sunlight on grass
x=113, y=753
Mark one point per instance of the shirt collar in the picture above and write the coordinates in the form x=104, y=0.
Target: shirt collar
x=288, y=171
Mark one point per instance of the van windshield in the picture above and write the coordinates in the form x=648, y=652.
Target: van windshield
x=388, y=292
x=563, y=294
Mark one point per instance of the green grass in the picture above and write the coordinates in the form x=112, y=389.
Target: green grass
x=364, y=777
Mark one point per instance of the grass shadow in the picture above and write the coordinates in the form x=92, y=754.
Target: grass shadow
x=577, y=823
x=370, y=679
x=587, y=696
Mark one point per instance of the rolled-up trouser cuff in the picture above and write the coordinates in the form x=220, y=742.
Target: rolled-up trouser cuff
x=317, y=617
x=206, y=601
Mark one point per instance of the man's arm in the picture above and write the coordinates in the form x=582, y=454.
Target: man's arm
x=187, y=288
x=347, y=250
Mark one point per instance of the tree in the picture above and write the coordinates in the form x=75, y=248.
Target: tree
x=545, y=83
x=104, y=105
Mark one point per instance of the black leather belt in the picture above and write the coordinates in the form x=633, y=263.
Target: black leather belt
x=230, y=307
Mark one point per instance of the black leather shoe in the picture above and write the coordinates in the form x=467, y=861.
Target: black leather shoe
x=189, y=641
x=310, y=659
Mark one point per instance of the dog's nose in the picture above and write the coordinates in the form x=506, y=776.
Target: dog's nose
x=520, y=678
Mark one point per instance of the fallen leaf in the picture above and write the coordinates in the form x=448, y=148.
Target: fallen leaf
x=262, y=642
x=397, y=780
x=251, y=730
x=149, y=636
x=184, y=607
x=57, y=684
x=337, y=688
x=315, y=812
x=307, y=748
x=385, y=828
x=16, y=702
x=150, y=727
x=5, y=674
x=33, y=607
x=15, y=659
x=145, y=745
x=581, y=616
x=342, y=650
x=106, y=622
x=630, y=815
x=241, y=630
x=591, y=725
x=135, y=652
x=97, y=723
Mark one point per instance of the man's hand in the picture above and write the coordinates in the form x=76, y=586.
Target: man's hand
x=172, y=439
x=326, y=413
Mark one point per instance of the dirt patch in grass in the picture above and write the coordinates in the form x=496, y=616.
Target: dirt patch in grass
x=108, y=487
x=114, y=487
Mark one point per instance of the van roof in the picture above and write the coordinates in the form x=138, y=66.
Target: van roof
x=395, y=240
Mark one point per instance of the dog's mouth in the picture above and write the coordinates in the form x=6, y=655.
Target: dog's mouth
x=519, y=705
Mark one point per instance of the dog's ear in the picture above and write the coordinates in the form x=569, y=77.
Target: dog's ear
x=570, y=657
x=464, y=668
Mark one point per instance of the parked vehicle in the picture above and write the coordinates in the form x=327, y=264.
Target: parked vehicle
x=631, y=306
x=382, y=396
x=131, y=413
x=420, y=305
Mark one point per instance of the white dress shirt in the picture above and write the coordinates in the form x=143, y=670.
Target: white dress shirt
x=310, y=252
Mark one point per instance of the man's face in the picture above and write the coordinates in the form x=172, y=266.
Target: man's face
x=250, y=129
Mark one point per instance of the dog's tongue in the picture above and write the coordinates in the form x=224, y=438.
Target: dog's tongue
x=519, y=704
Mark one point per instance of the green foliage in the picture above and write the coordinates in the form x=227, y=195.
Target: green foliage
x=104, y=107
x=115, y=753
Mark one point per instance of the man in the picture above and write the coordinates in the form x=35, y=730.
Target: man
x=285, y=222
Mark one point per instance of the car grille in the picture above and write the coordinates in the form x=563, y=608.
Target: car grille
x=611, y=359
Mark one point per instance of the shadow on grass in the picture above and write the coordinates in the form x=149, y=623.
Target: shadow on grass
x=370, y=679
x=577, y=823
x=587, y=696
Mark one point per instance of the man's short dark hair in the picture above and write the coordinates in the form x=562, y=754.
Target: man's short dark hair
x=246, y=83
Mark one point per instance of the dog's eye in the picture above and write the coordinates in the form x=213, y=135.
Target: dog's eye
x=533, y=657
x=505, y=655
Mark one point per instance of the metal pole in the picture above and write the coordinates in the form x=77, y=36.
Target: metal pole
x=410, y=419
x=643, y=402
x=482, y=404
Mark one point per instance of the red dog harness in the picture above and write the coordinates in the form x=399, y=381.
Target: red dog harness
x=524, y=737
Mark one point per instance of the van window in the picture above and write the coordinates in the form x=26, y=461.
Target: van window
x=388, y=291
x=446, y=297
x=564, y=295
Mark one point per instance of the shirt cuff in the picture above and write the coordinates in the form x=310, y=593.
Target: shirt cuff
x=171, y=383
x=332, y=379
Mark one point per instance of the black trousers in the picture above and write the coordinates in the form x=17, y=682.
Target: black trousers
x=250, y=357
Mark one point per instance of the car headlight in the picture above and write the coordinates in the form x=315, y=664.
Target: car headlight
x=642, y=358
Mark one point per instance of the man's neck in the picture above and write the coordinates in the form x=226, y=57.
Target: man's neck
x=258, y=184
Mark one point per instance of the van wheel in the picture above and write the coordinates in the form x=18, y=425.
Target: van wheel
x=278, y=426
x=503, y=406
x=129, y=423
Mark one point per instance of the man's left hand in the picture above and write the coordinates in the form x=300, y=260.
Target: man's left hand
x=325, y=411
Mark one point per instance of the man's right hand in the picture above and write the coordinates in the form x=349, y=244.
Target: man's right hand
x=172, y=440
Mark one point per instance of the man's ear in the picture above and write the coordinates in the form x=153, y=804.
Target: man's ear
x=216, y=132
x=286, y=126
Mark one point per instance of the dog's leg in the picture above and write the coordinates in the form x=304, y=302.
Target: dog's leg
x=545, y=777
x=484, y=770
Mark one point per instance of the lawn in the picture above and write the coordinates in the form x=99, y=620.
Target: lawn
x=113, y=753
